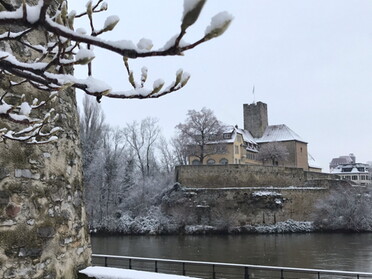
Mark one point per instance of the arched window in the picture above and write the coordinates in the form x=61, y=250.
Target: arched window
x=195, y=162
x=211, y=162
x=224, y=161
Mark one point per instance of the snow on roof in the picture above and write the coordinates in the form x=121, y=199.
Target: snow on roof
x=117, y=273
x=350, y=168
x=279, y=133
x=342, y=160
x=248, y=139
x=235, y=131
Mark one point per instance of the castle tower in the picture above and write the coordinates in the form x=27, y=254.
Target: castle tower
x=255, y=118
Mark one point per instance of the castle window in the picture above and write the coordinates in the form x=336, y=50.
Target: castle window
x=227, y=136
x=195, y=162
x=211, y=162
x=224, y=161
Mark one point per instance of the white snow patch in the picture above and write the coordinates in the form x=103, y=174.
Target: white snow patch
x=81, y=31
x=117, y=273
x=171, y=43
x=189, y=5
x=111, y=20
x=265, y=193
x=84, y=54
x=145, y=44
x=5, y=108
x=33, y=12
x=25, y=109
x=218, y=21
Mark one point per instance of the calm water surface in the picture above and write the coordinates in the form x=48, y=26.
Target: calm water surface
x=351, y=252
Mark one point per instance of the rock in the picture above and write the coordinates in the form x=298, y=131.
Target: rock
x=46, y=232
x=12, y=210
x=4, y=198
x=26, y=173
x=30, y=252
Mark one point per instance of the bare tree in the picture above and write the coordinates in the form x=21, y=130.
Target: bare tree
x=179, y=144
x=142, y=139
x=167, y=157
x=273, y=153
x=47, y=65
x=202, y=132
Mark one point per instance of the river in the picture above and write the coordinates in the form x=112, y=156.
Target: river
x=349, y=252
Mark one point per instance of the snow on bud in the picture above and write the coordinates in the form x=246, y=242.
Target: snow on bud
x=84, y=56
x=64, y=11
x=145, y=44
x=58, y=19
x=191, y=12
x=89, y=7
x=219, y=23
x=25, y=109
x=104, y=6
x=144, y=71
x=185, y=78
x=158, y=85
x=179, y=76
x=71, y=19
x=110, y=23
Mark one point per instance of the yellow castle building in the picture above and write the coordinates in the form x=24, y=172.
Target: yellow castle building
x=261, y=144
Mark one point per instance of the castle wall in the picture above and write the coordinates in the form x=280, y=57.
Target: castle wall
x=219, y=176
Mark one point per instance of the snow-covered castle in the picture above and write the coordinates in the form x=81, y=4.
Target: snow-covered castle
x=261, y=144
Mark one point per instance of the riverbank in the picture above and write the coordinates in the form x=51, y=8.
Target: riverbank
x=288, y=226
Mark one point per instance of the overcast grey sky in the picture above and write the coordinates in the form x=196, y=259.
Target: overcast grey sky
x=309, y=60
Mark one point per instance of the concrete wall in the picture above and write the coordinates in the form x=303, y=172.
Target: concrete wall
x=218, y=176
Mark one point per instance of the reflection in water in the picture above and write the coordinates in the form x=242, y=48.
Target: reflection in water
x=351, y=252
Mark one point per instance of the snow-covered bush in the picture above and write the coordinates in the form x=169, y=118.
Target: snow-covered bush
x=345, y=209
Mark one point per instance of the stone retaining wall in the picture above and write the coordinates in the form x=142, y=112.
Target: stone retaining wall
x=219, y=176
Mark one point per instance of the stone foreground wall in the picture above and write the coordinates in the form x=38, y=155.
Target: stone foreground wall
x=43, y=227
x=219, y=176
x=43, y=231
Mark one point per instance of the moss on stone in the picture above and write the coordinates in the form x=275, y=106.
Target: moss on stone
x=18, y=155
x=20, y=237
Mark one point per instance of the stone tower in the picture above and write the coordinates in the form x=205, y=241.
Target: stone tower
x=43, y=227
x=255, y=118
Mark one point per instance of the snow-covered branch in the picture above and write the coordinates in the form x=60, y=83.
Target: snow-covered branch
x=48, y=63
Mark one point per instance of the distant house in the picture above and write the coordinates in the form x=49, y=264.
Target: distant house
x=347, y=168
x=246, y=146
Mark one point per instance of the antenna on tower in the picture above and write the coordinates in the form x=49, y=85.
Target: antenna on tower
x=254, y=96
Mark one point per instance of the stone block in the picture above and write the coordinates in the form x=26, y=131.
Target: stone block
x=4, y=198
x=12, y=210
x=46, y=232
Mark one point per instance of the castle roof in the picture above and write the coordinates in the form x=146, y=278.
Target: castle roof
x=279, y=133
x=246, y=135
